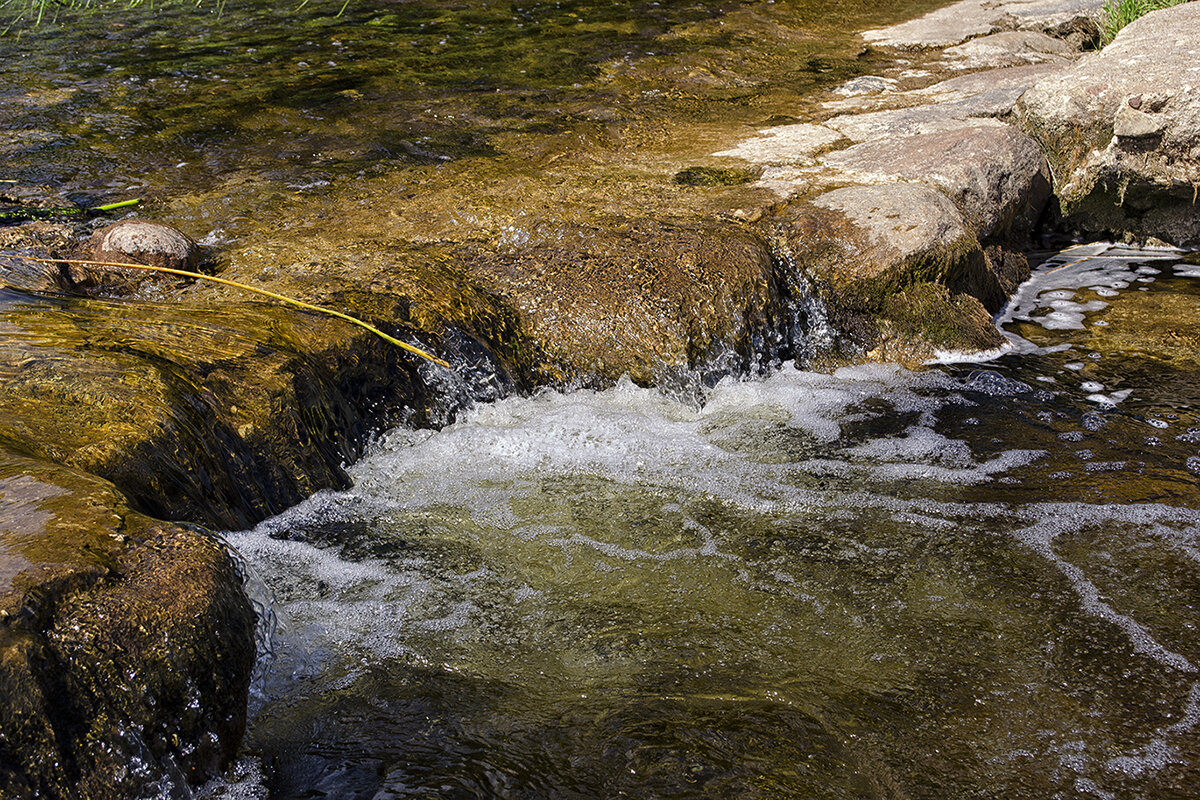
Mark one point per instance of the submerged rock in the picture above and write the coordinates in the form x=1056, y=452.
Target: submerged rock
x=126, y=644
x=1122, y=129
x=221, y=415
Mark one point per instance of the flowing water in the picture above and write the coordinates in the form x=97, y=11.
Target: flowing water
x=978, y=580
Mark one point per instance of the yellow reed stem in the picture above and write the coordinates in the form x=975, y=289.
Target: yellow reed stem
x=245, y=287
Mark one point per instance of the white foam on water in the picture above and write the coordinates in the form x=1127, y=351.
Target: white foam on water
x=1051, y=296
x=1054, y=520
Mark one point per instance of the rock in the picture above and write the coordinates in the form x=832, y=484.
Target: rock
x=1133, y=124
x=996, y=176
x=126, y=645
x=646, y=299
x=966, y=112
x=786, y=144
x=958, y=22
x=908, y=230
x=944, y=27
x=219, y=415
x=926, y=320
x=866, y=84
x=1122, y=169
x=863, y=247
x=1007, y=49
x=1015, y=79
x=1081, y=32
x=135, y=241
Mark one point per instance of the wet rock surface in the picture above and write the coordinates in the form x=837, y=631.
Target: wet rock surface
x=1121, y=129
x=126, y=644
x=130, y=241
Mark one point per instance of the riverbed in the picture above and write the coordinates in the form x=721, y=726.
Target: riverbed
x=978, y=579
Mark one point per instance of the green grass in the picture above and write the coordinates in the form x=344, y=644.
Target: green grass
x=16, y=15
x=1119, y=13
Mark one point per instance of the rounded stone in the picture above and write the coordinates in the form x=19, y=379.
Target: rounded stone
x=142, y=242
x=132, y=241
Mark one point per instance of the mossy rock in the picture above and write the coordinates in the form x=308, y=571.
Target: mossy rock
x=926, y=319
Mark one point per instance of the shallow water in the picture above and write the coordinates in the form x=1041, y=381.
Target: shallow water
x=285, y=134
x=979, y=580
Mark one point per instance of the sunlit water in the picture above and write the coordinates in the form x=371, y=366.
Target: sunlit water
x=978, y=580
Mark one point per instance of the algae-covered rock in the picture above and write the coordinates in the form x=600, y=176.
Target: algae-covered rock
x=1122, y=130
x=639, y=297
x=220, y=415
x=126, y=644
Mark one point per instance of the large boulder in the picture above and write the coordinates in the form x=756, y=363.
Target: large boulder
x=647, y=299
x=1122, y=129
x=126, y=644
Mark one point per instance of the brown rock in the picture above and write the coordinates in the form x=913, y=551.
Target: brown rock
x=133, y=241
x=126, y=645
x=647, y=299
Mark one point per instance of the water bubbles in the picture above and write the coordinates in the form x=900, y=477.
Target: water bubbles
x=992, y=383
x=1193, y=465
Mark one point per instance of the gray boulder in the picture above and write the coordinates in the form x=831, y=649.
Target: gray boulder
x=1122, y=128
x=996, y=176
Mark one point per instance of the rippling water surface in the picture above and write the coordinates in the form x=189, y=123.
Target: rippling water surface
x=979, y=580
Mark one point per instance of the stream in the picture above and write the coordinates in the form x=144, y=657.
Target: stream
x=977, y=580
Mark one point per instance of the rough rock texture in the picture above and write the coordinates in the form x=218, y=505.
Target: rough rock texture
x=867, y=249
x=1007, y=49
x=1122, y=130
x=134, y=241
x=968, y=19
x=126, y=645
x=996, y=176
x=647, y=299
